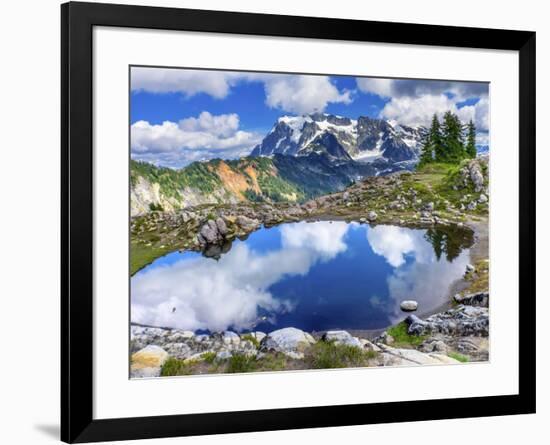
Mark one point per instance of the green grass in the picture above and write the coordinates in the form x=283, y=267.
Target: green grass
x=141, y=256
x=251, y=339
x=174, y=366
x=273, y=362
x=326, y=355
x=241, y=363
x=401, y=336
x=209, y=357
x=458, y=356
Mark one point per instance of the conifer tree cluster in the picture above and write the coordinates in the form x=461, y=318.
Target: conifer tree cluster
x=449, y=141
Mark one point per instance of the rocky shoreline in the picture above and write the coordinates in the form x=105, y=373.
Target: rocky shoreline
x=458, y=332
x=397, y=199
x=457, y=335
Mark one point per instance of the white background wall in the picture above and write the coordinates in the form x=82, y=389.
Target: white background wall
x=29, y=218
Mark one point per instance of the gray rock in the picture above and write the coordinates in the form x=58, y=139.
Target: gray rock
x=470, y=268
x=223, y=355
x=459, y=321
x=231, y=338
x=476, y=176
x=471, y=206
x=342, y=338
x=482, y=198
x=221, y=226
x=290, y=341
x=409, y=305
x=371, y=216
x=477, y=299
x=209, y=232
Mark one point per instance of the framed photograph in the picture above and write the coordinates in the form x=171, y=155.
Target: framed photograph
x=275, y=222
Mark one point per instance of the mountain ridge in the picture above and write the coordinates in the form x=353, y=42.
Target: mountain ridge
x=364, y=139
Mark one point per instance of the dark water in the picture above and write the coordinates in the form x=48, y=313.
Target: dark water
x=313, y=276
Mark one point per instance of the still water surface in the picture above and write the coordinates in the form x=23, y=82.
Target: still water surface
x=313, y=276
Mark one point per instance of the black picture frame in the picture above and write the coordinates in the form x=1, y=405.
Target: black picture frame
x=77, y=22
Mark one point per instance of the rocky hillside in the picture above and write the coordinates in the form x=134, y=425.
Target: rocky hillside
x=437, y=195
x=365, y=139
x=278, y=178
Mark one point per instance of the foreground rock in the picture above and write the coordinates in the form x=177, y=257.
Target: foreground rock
x=342, y=338
x=290, y=341
x=411, y=357
x=461, y=321
x=477, y=299
x=147, y=362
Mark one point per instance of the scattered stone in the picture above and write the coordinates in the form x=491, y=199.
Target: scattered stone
x=470, y=268
x=372, y=215
x=409, y=305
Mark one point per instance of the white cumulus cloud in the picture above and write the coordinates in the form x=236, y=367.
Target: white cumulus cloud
x=300, y=94
x=216, y=295
x=189, y=82
x=193, y=138
x=303, y=94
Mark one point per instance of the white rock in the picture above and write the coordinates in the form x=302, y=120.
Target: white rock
x=223, y=355
x=231, y=338
x=290, y=341
x=342, y=338
x=408, y=305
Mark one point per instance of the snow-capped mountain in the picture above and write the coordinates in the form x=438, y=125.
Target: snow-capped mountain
x=365, y=139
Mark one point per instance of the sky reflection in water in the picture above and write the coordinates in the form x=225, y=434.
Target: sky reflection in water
x=313, y=276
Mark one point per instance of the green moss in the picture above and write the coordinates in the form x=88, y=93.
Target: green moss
x=401, y=336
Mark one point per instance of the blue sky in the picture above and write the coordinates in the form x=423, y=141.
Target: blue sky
x=180, y=115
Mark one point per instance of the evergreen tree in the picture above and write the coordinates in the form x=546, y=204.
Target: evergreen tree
x=431, y=143
x=436, y=139
x=427, y=155
x=471, y=151
x=453, y=140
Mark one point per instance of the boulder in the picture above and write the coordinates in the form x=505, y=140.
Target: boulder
x=221, y=226
x=409, y=305
x=371, y=216
x=342, y=338
x=231, y=338
x=289, y=341
x=209, y=232
x=247, y=223
x=147, y=362
x=476, y=176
